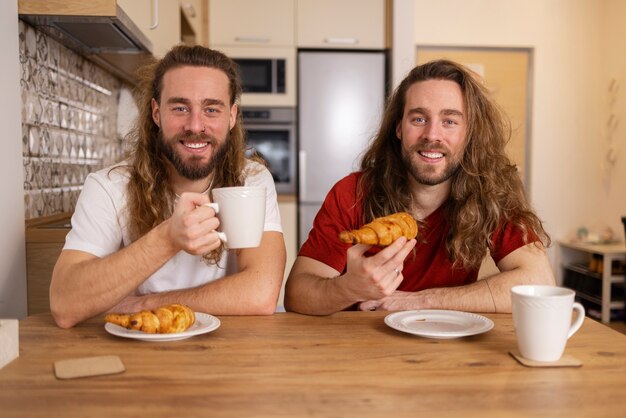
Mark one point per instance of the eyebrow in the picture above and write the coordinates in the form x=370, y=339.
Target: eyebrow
x=205, y=102
x=447, y=112
x=452, y=112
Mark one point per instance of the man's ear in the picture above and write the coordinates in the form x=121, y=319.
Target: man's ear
x=156, y=116
x=234, y=109
x=399, y=130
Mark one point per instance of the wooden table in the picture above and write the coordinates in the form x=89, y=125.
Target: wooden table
x=287, y=365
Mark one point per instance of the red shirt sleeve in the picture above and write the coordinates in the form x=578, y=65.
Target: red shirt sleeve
x=508, y=239
x=340, y=211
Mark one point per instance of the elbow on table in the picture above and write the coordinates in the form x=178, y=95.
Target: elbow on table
x=264, y=306
x=62, y=320
x=265, y=309
x=61, y=314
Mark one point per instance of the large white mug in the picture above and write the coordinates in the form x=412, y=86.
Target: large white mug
x=241, y=211
x=542, y=317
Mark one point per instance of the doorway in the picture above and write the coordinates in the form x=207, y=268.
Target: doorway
x=507, y=74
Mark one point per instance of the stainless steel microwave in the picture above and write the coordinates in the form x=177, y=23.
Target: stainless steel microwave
x=263, y=75
x=271, y=134
x=268, y=75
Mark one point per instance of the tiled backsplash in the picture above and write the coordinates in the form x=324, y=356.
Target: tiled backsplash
x=69, y=122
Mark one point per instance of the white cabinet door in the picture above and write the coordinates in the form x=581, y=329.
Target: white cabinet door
x=251, y=23
x=159, y=20
x=356, y=24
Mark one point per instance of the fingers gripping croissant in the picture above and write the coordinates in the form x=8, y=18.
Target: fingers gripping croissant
x=382, y=231
x=164, y=320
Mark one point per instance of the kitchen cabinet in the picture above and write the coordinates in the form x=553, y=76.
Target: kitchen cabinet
x=352, y=24
x=193, y=22
x=288, y=216
x=596, y=273
x=45, y=238
x=159, y=20
x=99, y=30
x=251, y=23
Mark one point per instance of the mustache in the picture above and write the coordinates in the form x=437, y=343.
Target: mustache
x=195, y=137
x=429, y=147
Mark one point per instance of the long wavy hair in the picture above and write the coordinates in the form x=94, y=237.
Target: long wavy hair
x=150, y=196
x=486, y=191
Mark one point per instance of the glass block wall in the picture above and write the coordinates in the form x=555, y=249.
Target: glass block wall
x=69, y=122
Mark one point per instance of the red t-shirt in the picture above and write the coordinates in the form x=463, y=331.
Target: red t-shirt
x=427, y=267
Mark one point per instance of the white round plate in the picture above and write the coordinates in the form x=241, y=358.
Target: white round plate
x=442, y=324
x=204, y=323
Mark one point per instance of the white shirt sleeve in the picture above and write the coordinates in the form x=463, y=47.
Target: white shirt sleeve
x=96, y=225
x=263, y=178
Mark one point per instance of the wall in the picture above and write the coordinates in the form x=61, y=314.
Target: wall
x=68, y=111
x=12, y=244
x=69, y=122
x=576, y=44
x=614, y=67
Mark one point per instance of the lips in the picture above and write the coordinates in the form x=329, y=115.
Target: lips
x=432, y=155
x=194, y=145
x=195, y=142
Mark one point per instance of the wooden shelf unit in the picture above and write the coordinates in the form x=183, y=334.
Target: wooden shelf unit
x=598, y=287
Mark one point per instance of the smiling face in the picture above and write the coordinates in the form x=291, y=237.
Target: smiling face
x=433, y=131
x=194, y=115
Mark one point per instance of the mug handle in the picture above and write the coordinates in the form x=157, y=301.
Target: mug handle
x=579, y=319
x=216, y=208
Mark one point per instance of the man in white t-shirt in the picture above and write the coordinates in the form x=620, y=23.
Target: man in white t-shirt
x=141, y=234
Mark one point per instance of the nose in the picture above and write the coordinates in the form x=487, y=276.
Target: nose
x=432, y=131
x=194, y=122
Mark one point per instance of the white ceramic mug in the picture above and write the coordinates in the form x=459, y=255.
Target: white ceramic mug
x=241, y=211
x=542, y=317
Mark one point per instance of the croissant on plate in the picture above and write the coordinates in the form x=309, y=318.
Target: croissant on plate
x=382, y=231
x=164, y=320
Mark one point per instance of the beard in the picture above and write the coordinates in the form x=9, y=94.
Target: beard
x=193, y=168
x=428, y=175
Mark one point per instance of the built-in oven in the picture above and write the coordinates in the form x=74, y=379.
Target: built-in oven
x=271, y=134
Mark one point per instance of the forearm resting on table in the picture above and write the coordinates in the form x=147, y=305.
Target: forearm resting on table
x=526, y=265
x=253, y=290
x=237, y=294
x=313, y=295
x=84, y=285
x=491, y=294
x=313, y=288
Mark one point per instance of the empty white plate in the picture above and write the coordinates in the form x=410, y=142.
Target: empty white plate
x=442, y=324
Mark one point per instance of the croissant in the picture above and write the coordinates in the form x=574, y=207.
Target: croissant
x=382, y=231
x=164, y=320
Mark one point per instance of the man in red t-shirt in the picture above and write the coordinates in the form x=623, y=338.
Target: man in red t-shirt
x=440, y=156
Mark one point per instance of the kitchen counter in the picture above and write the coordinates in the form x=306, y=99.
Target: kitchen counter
x=285, y=198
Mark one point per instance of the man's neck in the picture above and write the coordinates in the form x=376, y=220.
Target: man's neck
x=182, y=185
x=426, y=199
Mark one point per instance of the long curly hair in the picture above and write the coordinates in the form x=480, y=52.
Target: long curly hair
x=486, y=191
x=150, y=196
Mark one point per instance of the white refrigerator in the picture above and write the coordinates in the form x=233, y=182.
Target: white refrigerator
x=341, y=97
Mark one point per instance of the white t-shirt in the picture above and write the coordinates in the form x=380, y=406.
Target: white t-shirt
x=99, y=227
